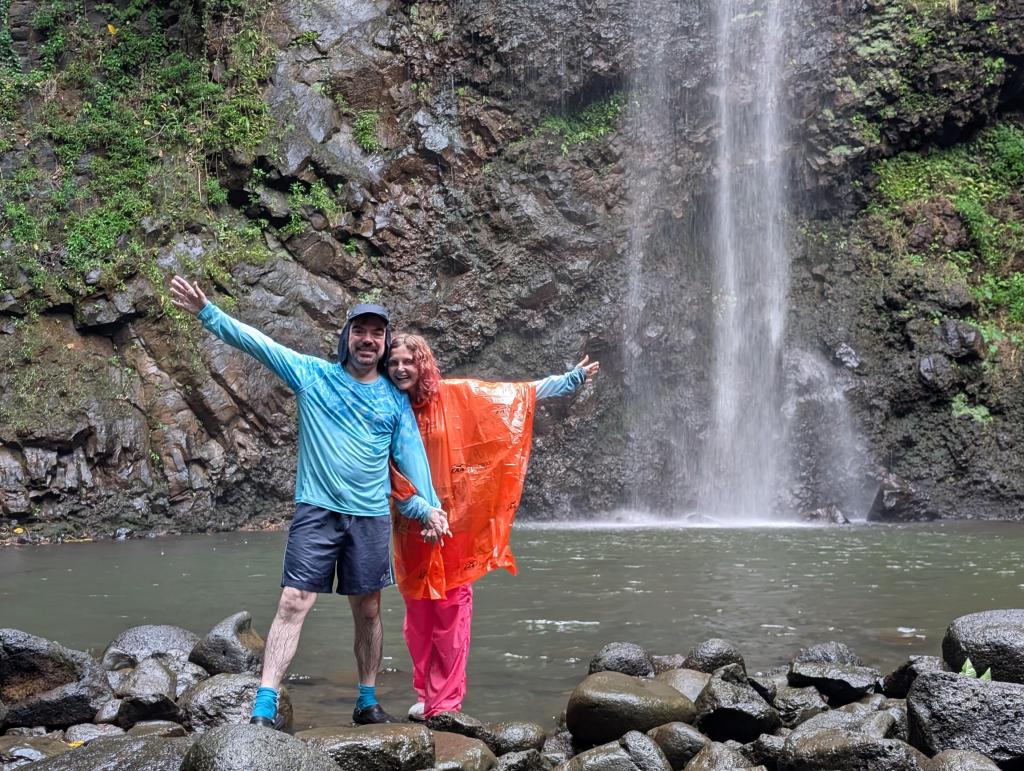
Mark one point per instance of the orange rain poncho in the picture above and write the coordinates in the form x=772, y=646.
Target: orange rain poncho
x=477, y=436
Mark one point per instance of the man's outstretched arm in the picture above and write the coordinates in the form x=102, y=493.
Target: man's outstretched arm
x=283, y=361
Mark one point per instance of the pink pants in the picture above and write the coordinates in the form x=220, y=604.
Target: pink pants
x=437, y=635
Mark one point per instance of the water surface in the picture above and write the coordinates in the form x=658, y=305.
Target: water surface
x=886, y=591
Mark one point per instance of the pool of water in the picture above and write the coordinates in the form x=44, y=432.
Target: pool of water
x=887, y=591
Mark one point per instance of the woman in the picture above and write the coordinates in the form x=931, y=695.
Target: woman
x=477, y=436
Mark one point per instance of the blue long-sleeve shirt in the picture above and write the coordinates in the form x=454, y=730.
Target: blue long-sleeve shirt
x=347, y=429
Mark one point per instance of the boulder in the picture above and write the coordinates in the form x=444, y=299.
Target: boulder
x=839, y=749
x=625, y=657
x=897, y=683
x=44, y=683
x=712, y=654
x=768, y=750
x=828, y=653
x=898, y=709
x=899, y=501
x=388, y=747
x=86, y=732
x=232, y=646
x=838, y=720
x=731, y=710
x=224, y=700
x=608, y=704
x=795, y=705
x=688, y=682
x=253, y=748
x=840, y=683
x=718, y=757
x=668, y=662
x=16, y=751
x=947, y=711
x=679, y=742
x=457, y=752
x=164, y=728
x=526, y=760
x=960, y=340
x=141, y=642
x=559, y=747
x=961, y=760
x=826, y=515
x=147, y=693
x=501, y=738
x=124, y=753
x=633, y=752
x=992, y=638
x=186, y=673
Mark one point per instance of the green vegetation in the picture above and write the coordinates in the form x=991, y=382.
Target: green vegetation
x=980, y=183
x=960, y=408
x=968, y=670
x=317, y=197
x=595, y=121
x=364, y=131
x=123, y=123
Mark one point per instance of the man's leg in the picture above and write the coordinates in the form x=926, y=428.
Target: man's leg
x=369, y=635
x=283, y=637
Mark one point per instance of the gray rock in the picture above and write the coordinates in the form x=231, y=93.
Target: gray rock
x=729, y=710
x=992, y=638
x=16, y=751
x=232, y=646
x=679, y=742
x=836, y=720
x=123, y=753
x=668, y=662
x=961, y=760
x=718, y=757
x=108, y=712
x=688, y=682
x=454, y=752
x=712, y=654
x=765, y=685
x=768, y=750
x=253, y=748
x=838, y=749
x=526, y=760
x=633, y=752
x=828, y=653
x=388, y=747
x=897, y=683
x=947, y=711
x=501, y=738
x=795, y=705
x=147, y=693
x=163, y=728
x=625, y=657
x=225, y=700
x=141, y=642
x=44, y=683
x=608, y=704
x=898, y=709
x=186, y=673
x=839, y=682
x=86, y=732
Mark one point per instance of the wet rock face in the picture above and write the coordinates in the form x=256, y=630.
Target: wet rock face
x=252, y=748
x=374, y=748
x=44, y=683
x=225, y=700
x=947, y=711
x=992, y=639
x=840, y=683
x=826, y=749
x=141, y=642
x=121, y=754
x=730, y=710
x=679, y=742
x=897, y=683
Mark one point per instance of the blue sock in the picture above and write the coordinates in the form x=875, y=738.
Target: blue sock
x=367, y=696
x=266, y=703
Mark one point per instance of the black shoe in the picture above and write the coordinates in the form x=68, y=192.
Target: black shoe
x=371, y=715
x=277, y=723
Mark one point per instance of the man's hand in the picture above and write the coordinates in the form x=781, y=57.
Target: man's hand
x=590, y=367
x=188, y=297
x=436, y=527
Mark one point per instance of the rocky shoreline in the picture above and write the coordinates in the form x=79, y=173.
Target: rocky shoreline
x=162, y=698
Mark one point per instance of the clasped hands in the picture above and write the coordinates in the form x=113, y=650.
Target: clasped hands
x=436, y=527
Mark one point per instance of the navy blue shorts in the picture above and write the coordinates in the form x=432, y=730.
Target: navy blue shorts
x=322, y=544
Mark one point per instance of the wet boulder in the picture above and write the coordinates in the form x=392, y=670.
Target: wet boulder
x=141, y=642
x=186, y=674
x=961, y=760
x=838, y=720
x=960, y=340
x=225, y=700
x=899, y=501
x=718, y=757
x=831, y=749
x=458, y=751
x=688, y=682
x=826, y=515
x=501, y=738
x=795, y=705
x=679, y=742
x=633, y=752
x=44, y=683
x=734, y=710
x=253, y=748
x=712, y=654
x=559, y=747
x=828, y=653
x=389, y=747
x=165, y=728
x=625, y=657
x=525, y=760
x=992, y=638
x=668, y=662
x=897, y=683
x=232, y=646
x=608, y=704
x=124, y=753
x=16, y=751
x=947, y=711
x=87, y=732
x=840, y=683
x=768, y=750
x=147, y=693
x=898, y=709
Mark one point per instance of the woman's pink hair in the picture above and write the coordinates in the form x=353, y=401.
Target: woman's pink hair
x=429, y=382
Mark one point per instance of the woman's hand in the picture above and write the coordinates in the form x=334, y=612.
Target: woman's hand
x=436, y=527
x=591, y=368
x=188, y=297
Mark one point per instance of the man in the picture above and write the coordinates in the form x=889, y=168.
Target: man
x=350, y=421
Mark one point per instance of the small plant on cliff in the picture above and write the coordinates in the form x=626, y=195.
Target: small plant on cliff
x=961, y=409
x=593, y=122
x=968, y=670
x=364, y=130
